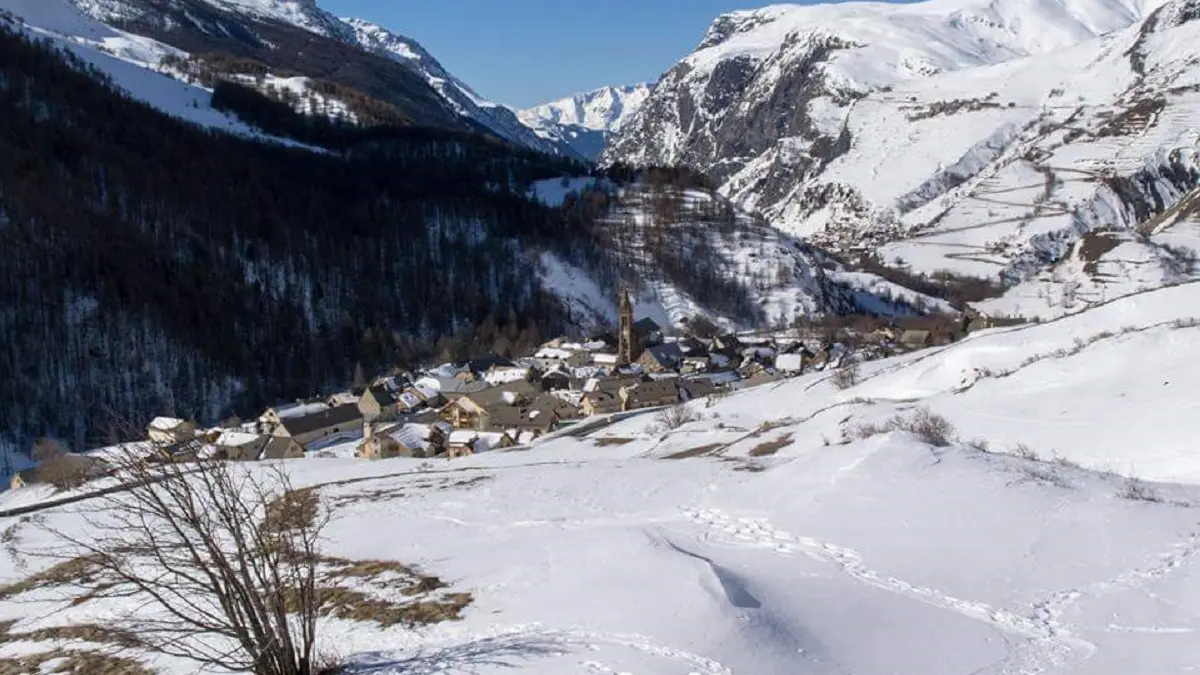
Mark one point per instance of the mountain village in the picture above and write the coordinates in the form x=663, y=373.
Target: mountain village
x=495, y=403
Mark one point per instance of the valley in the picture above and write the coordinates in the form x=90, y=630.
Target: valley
x=861, y=340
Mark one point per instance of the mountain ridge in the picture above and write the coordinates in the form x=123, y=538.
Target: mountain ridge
x=848, y=125
x=586, y=120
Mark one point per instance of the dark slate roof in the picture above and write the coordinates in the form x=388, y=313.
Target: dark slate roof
x=331, y=417
x=654, y=389
x=494, y=396
x=697, y=388
x=646, y=326
x=483, y=363
x=276, y=448
x=383, y=396
x=668, y=354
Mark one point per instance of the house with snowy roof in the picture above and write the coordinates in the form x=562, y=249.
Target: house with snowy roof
x=316, y=422
x=465, y=442
x=169, y=430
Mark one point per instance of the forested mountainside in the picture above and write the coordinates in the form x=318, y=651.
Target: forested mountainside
x=689, y=252
x=148, y=265
x=344, y=66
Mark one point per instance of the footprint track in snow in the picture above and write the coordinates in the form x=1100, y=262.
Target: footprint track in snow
x=1046, y=641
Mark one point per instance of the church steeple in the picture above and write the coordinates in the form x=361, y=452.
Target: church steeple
x=625, y=338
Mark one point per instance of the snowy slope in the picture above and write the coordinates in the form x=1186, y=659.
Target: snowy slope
x=253, y=28
x=131, y=60
x=586, y=120
x=763, y=549
x=979, y=138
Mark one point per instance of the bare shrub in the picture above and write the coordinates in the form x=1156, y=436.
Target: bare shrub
x=1135, y=490
x=847, y=375
x=861, y=432
x=980, y=445
x=226, y=578
x=675, y=417
x=1041, y=473
x=1064, y=462
x=927, y=426
x=1025, y=452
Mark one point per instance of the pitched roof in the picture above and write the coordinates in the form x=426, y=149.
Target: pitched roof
x=667, y=354
x=645, y=326
x=277, y=447
x=654, y=389
x=483, y=363
x=329, y=417
x=231, y=438
x=696, y=388
x=382, y=395
x=166, y=423
x=498, y=396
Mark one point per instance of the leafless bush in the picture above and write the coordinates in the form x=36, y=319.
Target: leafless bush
x=675, y=417
x=1041, y=473
x=980, y=445
x=929, y=427
x=1025, y=452
x=224, y=578
x=925, y=425
x=847, y=375
x=1064, y=462
x=1135, y=490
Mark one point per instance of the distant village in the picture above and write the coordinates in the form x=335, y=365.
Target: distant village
x=496, y=403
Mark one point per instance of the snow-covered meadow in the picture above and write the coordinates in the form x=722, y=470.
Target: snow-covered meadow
x=782, y=533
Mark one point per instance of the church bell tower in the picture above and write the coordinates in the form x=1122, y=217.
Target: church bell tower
x=625, y=346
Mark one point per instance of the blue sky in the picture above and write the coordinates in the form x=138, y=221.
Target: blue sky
x=526, y=52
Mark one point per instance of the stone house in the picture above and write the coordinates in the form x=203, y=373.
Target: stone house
x=315, y=424
x=601, y=402
x=466, y=442
x=690, y=390
x=916, y=339
x=282, y=447
x=379, y=444
x=661, y=358
x=474, y=410
x=379, y=403
x=167, y=430
x=556, y=380
x=240, y=446
x=649, y=394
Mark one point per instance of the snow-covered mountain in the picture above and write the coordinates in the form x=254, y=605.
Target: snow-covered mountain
x=586, y=120
x=977, y=137
x=302, y=47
